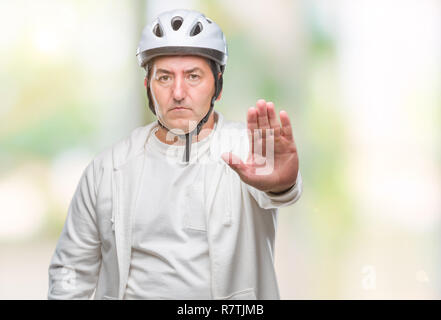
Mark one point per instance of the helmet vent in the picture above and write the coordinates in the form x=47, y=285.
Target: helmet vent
x=208, y=20
x=157, y=30
x=176, y=23
x=196, y=29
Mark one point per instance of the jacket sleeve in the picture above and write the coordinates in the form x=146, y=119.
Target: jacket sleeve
x=74, y=267
x=268, y=200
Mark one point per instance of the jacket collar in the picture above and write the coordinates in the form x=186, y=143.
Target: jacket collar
x=134, y=145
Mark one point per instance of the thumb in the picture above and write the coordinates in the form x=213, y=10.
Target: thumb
x=234, y=162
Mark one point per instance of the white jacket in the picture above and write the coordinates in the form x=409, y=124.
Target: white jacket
x=94, y=249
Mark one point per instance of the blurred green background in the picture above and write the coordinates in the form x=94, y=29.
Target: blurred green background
x=360, y=80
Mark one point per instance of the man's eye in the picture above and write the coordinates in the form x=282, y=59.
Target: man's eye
x=164, y=78
x=194, y=76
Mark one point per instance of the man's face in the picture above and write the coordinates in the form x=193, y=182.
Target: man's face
x=182, y=87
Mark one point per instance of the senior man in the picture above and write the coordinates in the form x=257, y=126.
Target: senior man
x=184, y=207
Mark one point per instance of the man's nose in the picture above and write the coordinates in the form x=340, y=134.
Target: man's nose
x=179, y=89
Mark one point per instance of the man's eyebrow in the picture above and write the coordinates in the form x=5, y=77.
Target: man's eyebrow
x=163, y=71
x=193, y=70
x=160, y=70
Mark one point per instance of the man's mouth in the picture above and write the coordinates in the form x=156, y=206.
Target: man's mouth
x=179, y=108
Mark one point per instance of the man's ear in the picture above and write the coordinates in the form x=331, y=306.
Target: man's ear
x=219, y=96
x=219, y=75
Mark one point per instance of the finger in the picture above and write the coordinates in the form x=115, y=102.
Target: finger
x=252, y=126
x=274, y=123
x=234, y=162
x=286, y=125
x=252, y=118
x=262, y=115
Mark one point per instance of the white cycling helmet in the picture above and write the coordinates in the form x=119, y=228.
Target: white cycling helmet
x=184, y=32
x=180, y=32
